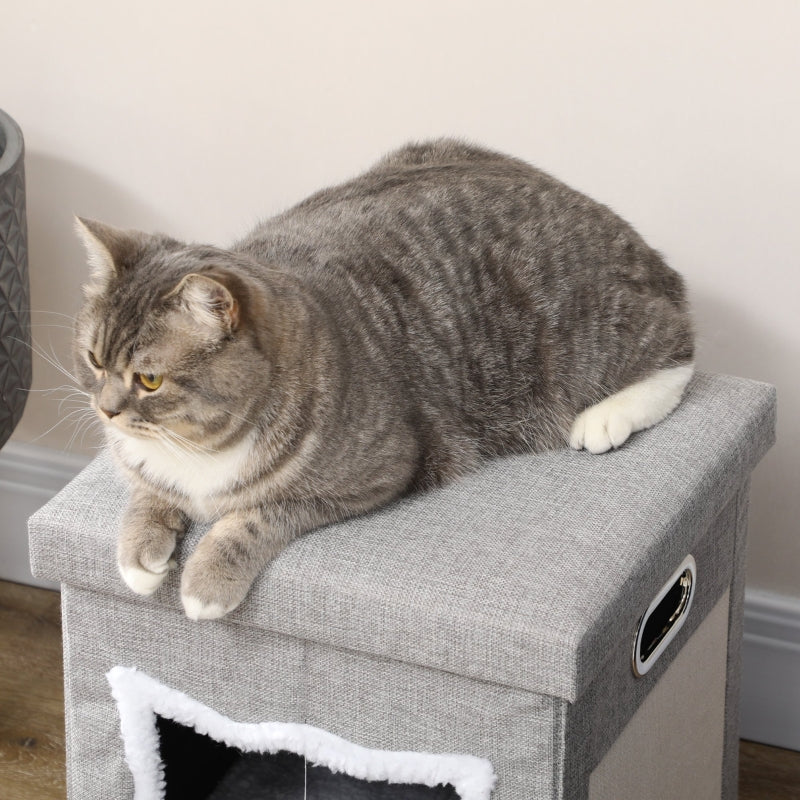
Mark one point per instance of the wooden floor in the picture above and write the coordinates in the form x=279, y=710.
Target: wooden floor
x=32, y=719
x=31, y=695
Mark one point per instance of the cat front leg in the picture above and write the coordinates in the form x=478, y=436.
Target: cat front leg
x=219, y=573
x=226, y=561
x=150, y=530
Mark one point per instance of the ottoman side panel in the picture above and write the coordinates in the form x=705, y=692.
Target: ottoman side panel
x=248, y=678
x=674, y=744
x=602, y=712
x=383, y=703
x=730, y=767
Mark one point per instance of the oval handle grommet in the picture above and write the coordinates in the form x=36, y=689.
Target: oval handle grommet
x=664, y=617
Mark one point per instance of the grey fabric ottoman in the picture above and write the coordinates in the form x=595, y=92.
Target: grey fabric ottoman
x=486, y=628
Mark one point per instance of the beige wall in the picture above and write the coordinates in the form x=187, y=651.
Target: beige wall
x=197, y=118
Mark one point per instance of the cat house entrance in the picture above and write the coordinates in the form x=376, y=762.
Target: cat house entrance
x=179, y=749
x=198, y=767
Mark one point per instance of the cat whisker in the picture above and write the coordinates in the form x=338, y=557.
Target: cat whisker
x=188, y=444
x=18, y=311
x=83, y=426
x=52, y=325
x=72, y=394
x=73, y=404
x=181, y=451
x=75, y=397
x=79, y=413
x=54, y=389
x=52, y=359
x=74, y=401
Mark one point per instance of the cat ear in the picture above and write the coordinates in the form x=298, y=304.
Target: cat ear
x=209, y=302
x=110, y=251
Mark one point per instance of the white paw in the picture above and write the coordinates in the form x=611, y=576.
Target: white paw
x=601, y=427
x=196, y=609
x=144, y=581
x=610, y=422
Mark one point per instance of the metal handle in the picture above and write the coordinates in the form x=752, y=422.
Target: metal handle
x=664, y=617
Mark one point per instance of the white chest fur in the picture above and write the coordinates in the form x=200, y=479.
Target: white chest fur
x=198, y=475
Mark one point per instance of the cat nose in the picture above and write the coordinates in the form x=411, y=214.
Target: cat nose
x=110, y=412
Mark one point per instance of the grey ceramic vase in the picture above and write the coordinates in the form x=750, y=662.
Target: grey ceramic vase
x=15, y=328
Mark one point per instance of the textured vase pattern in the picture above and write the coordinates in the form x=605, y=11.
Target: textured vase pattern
x=15, y=336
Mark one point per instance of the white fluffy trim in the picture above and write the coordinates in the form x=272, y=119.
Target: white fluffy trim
x=140, y=698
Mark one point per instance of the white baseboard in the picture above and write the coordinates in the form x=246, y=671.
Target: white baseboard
x=771, y=670
x=31, y=475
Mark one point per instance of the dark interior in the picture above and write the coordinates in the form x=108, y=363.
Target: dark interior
x=665, y=615
x=196, y=767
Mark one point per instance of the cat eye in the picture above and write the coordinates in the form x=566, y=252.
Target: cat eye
x=93, y=361
x=148, y=381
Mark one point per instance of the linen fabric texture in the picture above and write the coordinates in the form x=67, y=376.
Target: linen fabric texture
x=492, y=617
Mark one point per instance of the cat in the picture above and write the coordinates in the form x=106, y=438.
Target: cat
x=384, y=336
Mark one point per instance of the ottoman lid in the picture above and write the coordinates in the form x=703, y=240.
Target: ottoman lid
x=515, y=574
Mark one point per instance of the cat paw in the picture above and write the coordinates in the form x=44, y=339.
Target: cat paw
x=209, y=591
x=146, y=544
x=145, y=581
x=219, y=573
x=197, y=609
x=601, y=427
x=640, y=405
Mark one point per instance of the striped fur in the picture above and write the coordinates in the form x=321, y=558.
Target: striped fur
x=385, y=335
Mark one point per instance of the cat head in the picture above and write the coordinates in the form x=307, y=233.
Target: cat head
x=164, y=344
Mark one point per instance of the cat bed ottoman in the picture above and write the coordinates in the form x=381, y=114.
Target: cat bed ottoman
x=553, y=626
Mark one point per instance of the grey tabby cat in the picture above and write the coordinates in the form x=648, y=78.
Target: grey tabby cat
x=449, y=305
